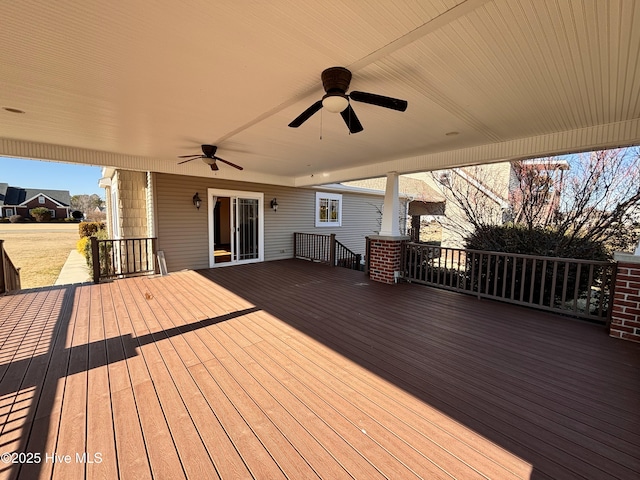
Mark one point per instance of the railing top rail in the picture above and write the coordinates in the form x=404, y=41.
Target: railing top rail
x=125, y=239
x=516, y=255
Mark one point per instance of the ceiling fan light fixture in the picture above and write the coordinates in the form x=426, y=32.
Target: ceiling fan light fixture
x=335, y=103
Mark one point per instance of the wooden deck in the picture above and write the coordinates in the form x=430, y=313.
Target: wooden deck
x=297, y=370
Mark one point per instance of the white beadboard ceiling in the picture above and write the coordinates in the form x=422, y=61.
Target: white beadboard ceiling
x=135, y=84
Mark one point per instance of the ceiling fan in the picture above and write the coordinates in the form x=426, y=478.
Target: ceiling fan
x=335, y=81
x=209, y=157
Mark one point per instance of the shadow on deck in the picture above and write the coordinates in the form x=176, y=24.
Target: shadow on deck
x=291, y=368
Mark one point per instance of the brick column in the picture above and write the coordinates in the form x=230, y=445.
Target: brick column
x=625, y=314
x=385, y=257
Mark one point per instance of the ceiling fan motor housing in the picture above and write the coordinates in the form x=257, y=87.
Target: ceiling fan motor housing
x=336, y=79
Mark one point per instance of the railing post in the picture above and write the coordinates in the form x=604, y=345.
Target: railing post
x=295, y=245
x=154, y=247
x=367, y=255
x=95, y=259
x=332, y=250
x=3, y=276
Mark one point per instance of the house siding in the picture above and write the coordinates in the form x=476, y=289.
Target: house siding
x=183, y=231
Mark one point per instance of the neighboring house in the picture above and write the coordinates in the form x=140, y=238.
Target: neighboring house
x=494, y=193
x=236, y=222
x=19, y=201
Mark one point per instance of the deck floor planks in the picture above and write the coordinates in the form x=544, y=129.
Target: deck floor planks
x=191, y=460
x=353, y=382
x=17, y=409
x=260, y=462
x=225, y=370
x=264, y=294
x=72, y=426
x=222, y=451
x=393, y=468
x=132, y=456
x=359, y=403
x=309, y=449
x=432, y=472
x=178, y=360
x=100, y=434
x=304, y=429
x=47, y=407
x=275, y=358
x=364, y=438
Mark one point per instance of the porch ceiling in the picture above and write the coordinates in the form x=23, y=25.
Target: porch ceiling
x=136, y=84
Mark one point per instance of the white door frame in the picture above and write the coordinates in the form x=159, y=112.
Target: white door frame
x=215, y=192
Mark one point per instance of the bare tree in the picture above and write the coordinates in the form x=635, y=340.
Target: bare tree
x=593, y=195
x=86, y=203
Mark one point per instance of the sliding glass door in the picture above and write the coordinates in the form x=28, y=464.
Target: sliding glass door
x=236, y=227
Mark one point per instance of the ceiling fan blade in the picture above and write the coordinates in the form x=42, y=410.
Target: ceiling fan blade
x=194, y=158
x=351, y=119
x=229, y=163
x=187, y=156
x=379, y=100
x=306, y=115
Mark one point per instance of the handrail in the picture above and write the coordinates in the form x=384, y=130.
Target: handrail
x=9, y=274
x=120, y=258
x=324, y=249
x=582, y=288
x=344, y=257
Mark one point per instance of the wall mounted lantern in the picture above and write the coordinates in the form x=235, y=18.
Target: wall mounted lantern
x=274, y=205
x=197, y=201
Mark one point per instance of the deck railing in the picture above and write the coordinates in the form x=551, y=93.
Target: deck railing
x=581, y=288
x=324, y=249
x=119, y=258
x=9, y=274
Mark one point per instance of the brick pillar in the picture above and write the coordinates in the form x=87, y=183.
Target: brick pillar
x=625, y=314
x=385, y=255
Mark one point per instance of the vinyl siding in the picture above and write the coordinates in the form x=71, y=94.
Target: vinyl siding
x=183, y=232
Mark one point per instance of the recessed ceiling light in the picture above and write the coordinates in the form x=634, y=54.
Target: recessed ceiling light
x=452, y=134
x=13, y=110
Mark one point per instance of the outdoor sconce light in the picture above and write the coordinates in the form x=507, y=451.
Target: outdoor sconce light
x=197, y=201
x=274, y=205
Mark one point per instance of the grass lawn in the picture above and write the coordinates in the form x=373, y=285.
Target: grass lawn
x=39, y=249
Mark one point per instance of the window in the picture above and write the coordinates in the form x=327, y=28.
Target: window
x=328, y=209
x=41, y=200
x=53, y=213
x=8, y=212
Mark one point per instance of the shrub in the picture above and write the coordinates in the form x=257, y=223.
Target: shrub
x=41, y=214
x=88, y=229
x=77, y=214
x=537, y=241
x=84, y=245
x=15, y=218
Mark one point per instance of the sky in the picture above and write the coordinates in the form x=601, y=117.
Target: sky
x=78, y=179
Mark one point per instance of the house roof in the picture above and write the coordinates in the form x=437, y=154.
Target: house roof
x=133, y=85
x=413, y=187
x=18, y=195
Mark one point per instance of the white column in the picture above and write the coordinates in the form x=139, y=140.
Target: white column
x=391, y=211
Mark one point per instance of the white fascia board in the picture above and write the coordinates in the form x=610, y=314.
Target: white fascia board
x=338, y=187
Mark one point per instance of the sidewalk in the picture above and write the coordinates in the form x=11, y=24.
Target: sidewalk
x=75, y=270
